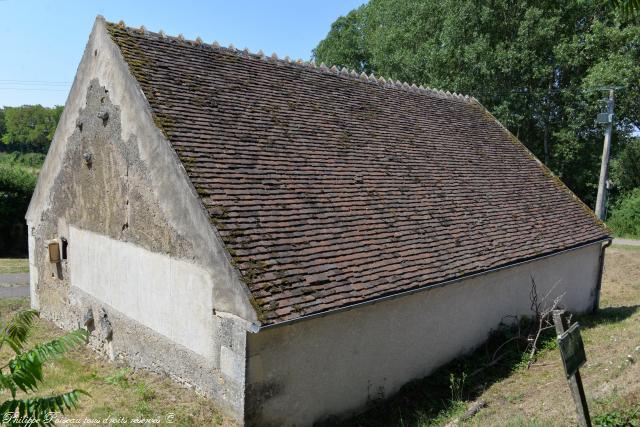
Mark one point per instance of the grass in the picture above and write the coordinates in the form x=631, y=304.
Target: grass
x=118, y=393
x=14, y=265
x=538, y=396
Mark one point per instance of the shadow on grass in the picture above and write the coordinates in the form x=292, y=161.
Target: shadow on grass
x=609, y=315
x=430, y=400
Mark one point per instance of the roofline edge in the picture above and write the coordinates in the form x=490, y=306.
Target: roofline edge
x=436, y=285
x=545, y=169
x=310, y=65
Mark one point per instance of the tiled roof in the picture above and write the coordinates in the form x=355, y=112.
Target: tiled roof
x=331, y=189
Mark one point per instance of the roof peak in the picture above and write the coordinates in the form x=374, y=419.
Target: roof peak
x=311, y=65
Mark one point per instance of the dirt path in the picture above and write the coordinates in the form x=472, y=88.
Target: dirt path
x=626, y=242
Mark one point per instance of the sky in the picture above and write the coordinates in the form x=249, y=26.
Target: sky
x=43, y=40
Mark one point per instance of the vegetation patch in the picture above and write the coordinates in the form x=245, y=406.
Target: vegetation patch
x=445, y=394
x=14, y=265
x=625, y=216
x=116, y=390
x=16, y=187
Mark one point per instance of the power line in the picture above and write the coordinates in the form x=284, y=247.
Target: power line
x=19, y=85
x=35, y=82
x=34, y=90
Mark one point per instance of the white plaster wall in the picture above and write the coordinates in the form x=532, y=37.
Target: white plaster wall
x=304, y=371
x=33, y=269
x=170, y=296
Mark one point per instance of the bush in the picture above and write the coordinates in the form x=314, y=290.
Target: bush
x=32, y=160
x=16, y=187
x=625, y=217
x=16, y=180
x=616, y=418
x=22, y=374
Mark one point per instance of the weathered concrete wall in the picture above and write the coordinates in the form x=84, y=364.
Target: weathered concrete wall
x=151, y=301
x=112, y=180
x=103, y=68
x=304, y=371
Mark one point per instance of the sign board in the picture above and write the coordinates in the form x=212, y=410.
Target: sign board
x=572, y=349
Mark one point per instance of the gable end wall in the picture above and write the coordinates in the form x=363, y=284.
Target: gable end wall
x=145, y=273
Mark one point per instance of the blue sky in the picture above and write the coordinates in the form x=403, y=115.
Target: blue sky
x=44, y=39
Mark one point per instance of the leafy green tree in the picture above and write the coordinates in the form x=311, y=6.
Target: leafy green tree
x=536, y=65
x=625, y=169
x=30, y=127
x=347, y=46
x=23, y=373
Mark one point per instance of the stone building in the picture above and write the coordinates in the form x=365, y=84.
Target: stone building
x=287, y=237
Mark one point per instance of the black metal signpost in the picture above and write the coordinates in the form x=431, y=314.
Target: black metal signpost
x=573, y=357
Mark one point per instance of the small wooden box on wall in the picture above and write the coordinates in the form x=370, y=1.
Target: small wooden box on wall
x=54, y=251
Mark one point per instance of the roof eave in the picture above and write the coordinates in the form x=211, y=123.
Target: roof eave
x=433, y=285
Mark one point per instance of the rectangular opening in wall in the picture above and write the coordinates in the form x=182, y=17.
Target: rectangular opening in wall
x=65, y=245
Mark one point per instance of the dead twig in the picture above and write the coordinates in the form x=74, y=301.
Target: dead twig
x=472, y=410
x=503, y=344
x=542, y=317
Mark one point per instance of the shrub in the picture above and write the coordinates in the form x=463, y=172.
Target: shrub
x=22, y=374
x=625, y=216
x=616, y=418
x=16, y=181
x=31, y=160
x=16, y=186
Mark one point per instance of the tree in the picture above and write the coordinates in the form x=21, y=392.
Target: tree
x=625, y=169
x=535, y=65
x=347, y=46
x=30, y=127
x=3, y=128
x=23, y=373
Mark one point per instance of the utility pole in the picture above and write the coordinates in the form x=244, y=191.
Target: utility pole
x=607, y=118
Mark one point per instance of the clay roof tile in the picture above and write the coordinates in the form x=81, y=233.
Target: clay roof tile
x=334, y=188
